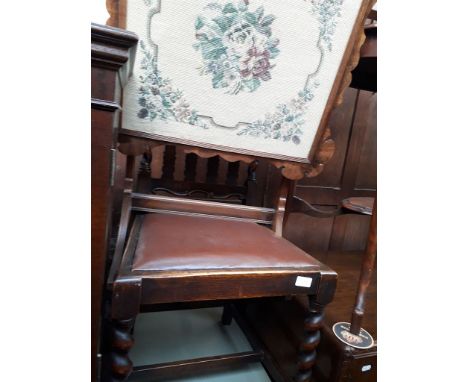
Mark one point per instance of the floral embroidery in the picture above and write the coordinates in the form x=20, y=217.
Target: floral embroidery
x=157, y=97
x=286, y=123
x=327, y=12
x=238, y=49
x=236, y=45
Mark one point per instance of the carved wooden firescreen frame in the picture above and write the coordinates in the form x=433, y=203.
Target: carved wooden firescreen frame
x=323, y=146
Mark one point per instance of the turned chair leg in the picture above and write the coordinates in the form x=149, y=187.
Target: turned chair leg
x=308, y=352
x=122, y=342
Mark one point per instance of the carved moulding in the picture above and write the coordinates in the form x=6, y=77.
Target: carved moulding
x=117, y=10
x=112, y=48
x=130, y=144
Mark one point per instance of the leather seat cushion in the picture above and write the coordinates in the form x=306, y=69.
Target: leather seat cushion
x=174, y=242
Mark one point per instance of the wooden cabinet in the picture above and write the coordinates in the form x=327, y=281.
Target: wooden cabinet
x=111, y=57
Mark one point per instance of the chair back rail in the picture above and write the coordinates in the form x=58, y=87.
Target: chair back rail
x=173, y=172
x=168, y=204
x=170, y=162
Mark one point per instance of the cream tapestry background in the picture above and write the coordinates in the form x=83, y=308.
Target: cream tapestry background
x=250, y=74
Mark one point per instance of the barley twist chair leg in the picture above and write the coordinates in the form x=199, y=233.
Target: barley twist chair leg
x=122, y=342
x=308, y=352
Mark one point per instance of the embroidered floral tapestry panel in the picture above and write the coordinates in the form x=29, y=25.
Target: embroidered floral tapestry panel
x=245, y=74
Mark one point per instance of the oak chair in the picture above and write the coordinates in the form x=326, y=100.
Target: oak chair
x=205, y=74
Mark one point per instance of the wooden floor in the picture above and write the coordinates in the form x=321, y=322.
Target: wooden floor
x=347, y=265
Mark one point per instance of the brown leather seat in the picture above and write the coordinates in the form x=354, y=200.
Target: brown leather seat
x=192, y=243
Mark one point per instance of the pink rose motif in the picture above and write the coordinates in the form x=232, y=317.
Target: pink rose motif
x=257, y=64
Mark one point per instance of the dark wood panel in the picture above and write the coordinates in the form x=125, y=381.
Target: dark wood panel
x=366, y=177
x=112, y=52
x=356, y=158
x=351, y=172
x=101, y=78
x=350, y=233
x=341, y=122
x=101, y=145
x=169, y=159
x=315, y=238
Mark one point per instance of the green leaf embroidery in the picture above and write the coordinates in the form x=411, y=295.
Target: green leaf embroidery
x=253, y=84
x=217, y=80
x=214, y=6
x=229, y=8
x=208, y=46
x=251, y=18
x=267, y=20
x=158, y=98
x=274, y=52
x=199, y=23
x=224, y=22
x=259, y=12
x=214, y=54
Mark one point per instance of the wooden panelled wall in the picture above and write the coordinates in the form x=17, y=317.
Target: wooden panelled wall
x=351, y=172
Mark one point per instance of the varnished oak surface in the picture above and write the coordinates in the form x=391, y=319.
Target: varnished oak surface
x=111, y=53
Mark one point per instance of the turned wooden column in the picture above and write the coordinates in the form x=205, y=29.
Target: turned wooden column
x=367, y=269
x=312, y=326
x=122, y=342
x=308, y=351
